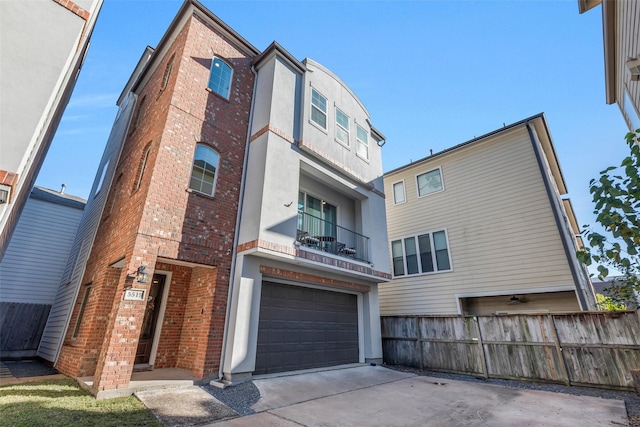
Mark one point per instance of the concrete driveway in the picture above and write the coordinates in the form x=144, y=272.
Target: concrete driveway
x=376, y=396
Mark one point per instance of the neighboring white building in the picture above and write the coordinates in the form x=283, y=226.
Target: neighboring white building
x=483, y=228
x=621, y=37
x=31, y=269
x=43, y=46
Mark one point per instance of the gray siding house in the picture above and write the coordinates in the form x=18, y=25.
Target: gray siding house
x=33, y=266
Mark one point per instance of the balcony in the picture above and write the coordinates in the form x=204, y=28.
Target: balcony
x=319, y=234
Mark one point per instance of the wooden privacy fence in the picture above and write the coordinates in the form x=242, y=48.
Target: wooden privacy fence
x=597, y=349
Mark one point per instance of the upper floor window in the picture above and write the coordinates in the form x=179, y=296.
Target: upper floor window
x=135, y=122
x=318, y=109
x=142, y=166
x=220, y=77
x=342, y=127
x=398, y=193
x=426, y=253
x=430, y=182
x=167, y=74
x=321, y=215
x=103, y=174
x=362, y=140
x=203, y=173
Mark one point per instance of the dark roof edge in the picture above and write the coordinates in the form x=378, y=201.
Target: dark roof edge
x=471, y=141
x=278, y=49
x=166, y=37
x=52, y=196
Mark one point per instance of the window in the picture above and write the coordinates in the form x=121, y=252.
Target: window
x=430, y=182
x=114, y=194
x=220, y=77
x=362, y=139
x=425, y=253
x=321, y=216
x=342, y=127
x=142, y=167
x=203, y=174
x=136, y=118
x=630, y=112
x=398, y=193
x=102, y=176
x=85, y=298
x=318, y=109
x=167, y=74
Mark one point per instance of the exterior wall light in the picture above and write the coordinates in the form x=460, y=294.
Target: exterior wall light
x=141, y=274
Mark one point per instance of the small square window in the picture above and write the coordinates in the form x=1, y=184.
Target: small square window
x=429, y=182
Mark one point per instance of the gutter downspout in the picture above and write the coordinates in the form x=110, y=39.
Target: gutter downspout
x=234, y=253
x=556, y=215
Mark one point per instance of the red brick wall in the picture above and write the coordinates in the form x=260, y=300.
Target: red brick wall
x=169, y=343
x=161, y=217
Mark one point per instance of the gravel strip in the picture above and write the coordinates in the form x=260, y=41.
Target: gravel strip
x=631, y=400
x=239, y=397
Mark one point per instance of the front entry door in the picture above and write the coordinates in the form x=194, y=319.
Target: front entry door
x=150, y=320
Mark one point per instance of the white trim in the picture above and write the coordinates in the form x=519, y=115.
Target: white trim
x=224, y=61
x=439, y=168
x=348, y=143
x=359, y=141
x=326, y=112
x=404, y=192
x=433, y=252
x=103, y=174
x=163, y=305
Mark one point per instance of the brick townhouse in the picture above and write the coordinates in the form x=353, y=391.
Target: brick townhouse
x=193, y=253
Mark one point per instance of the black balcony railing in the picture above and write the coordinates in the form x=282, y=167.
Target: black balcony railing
x=323, y=235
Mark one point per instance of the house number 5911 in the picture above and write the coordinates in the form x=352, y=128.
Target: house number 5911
x=134, y=295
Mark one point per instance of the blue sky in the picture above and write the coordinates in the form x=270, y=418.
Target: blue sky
x=432, y=74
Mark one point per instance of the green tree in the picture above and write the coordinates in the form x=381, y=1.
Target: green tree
x=608, y=303
x=616, y=195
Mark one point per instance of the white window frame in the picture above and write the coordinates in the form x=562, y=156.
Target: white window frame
x=360, y=142
x=631, y=115
x=313, y=106
x=404, y=193
x=339, y=126
x=216, y=172
x=439, y=169
x=419, y=260
x=213, y=64
x=103, y=174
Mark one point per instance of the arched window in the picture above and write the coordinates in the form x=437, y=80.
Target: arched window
x=203, y=174
x=220, y=77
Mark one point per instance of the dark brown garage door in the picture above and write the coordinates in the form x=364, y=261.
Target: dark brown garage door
x=302, y=328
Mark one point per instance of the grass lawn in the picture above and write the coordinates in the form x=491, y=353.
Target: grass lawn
x=63, y=403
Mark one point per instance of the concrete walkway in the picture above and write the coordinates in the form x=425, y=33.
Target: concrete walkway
x=407, y=400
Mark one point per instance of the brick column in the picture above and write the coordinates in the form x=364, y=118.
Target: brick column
x=117, y=356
